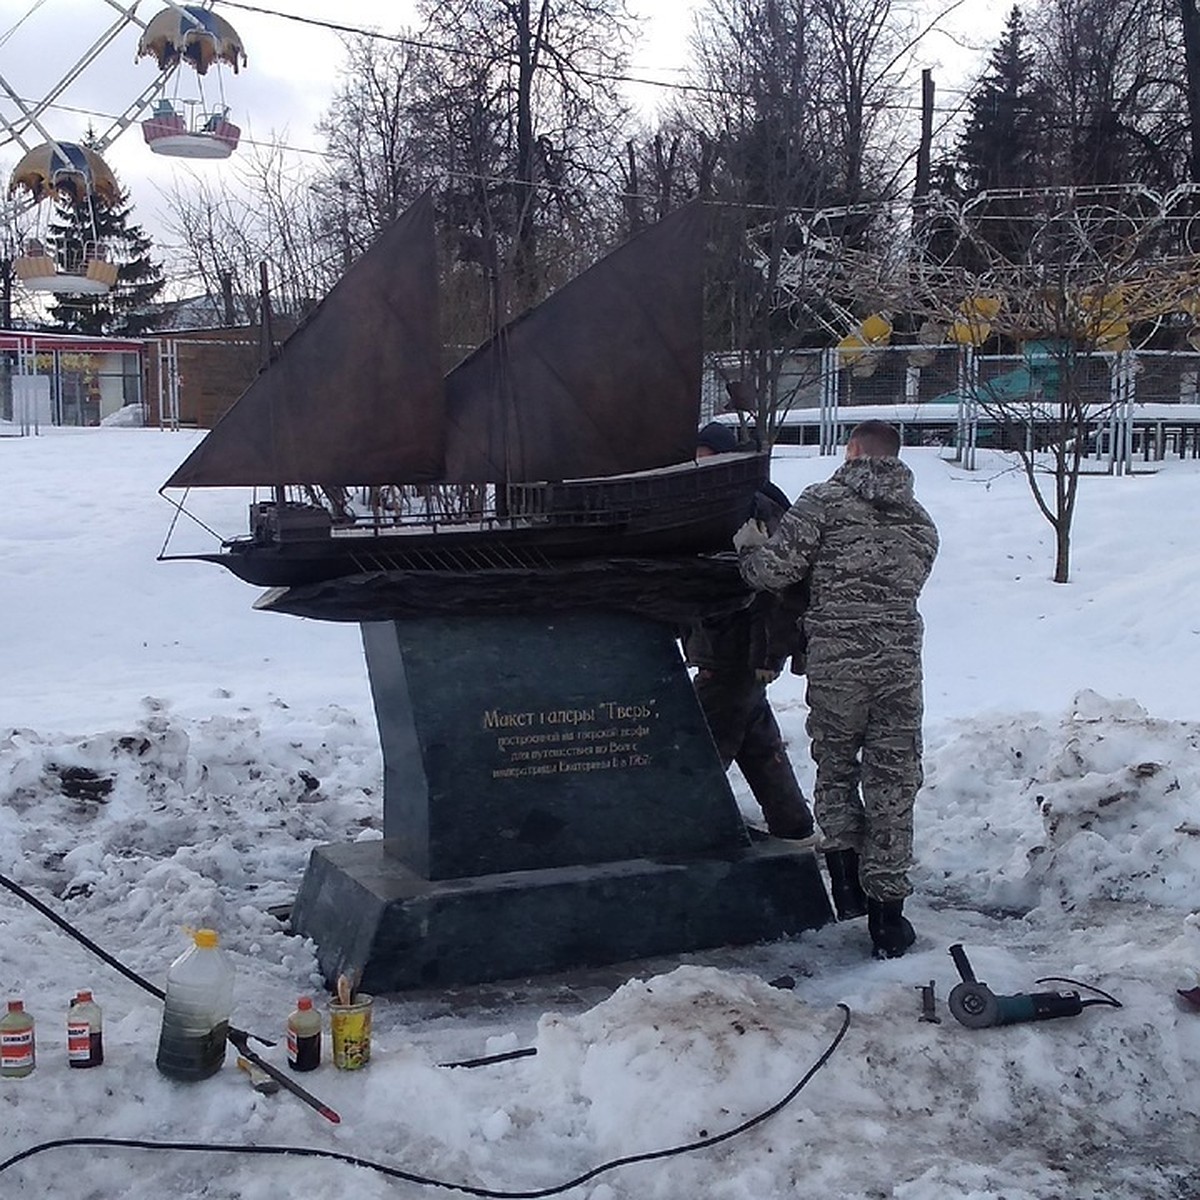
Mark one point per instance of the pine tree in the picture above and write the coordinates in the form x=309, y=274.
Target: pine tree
x=124, y=310
x=1002, y=144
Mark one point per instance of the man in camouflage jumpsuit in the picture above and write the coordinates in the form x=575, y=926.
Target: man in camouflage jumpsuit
x=866, y=547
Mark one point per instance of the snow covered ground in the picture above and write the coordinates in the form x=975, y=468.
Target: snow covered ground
x=1058, y=835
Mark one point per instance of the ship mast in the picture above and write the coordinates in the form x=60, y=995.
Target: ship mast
x=266, y=343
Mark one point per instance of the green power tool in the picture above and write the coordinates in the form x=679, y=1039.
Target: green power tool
x=976, y=1006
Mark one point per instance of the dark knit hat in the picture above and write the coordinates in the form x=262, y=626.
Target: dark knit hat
x=718, y=437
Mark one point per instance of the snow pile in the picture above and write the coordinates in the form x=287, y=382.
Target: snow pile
x=1098, y=805
x=130, y=416
x=176, y=822
x=169, y=757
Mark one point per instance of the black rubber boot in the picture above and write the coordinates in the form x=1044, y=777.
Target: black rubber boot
x=891, y=932
x=849, y=900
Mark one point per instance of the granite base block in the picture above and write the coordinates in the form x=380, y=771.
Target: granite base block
x=370, y=914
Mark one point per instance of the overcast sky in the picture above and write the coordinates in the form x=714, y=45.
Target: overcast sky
x=292, y=70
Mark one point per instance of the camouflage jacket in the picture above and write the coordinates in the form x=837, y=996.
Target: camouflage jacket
x=865, y=545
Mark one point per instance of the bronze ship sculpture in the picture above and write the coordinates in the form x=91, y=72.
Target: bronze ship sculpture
x=572, y=429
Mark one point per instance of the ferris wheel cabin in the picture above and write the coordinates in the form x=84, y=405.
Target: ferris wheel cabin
x=194, y=37
x=92, y=275
x=206, y=135
x=82, y=180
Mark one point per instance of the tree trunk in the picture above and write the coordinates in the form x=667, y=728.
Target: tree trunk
x=925, y=146
x=1062, y=551
x=1191, y=56
x=633, y=201
x=6, y=278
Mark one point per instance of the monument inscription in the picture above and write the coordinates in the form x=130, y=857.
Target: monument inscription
x=608, y=736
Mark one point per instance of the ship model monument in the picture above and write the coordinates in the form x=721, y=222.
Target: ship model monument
x=552, y=795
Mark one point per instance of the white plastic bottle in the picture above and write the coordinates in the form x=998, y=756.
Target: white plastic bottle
x=196, y=1011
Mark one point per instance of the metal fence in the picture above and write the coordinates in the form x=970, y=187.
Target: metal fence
x=1126, y=406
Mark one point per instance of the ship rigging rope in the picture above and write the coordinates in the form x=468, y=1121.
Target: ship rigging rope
x=178, y=505
x=391, y=1172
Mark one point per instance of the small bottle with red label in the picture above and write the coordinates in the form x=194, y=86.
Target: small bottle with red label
x=18, y=1054
x=304, y=1036
x=85, y=1036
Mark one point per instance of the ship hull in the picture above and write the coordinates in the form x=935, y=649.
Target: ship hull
x=677, y=511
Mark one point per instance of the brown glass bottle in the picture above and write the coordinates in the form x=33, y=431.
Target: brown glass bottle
x=304, y=1036
x=85, y=1036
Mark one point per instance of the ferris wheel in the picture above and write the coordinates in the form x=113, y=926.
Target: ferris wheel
x=192, y=48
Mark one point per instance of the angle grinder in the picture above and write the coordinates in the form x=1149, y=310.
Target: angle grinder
x=976, y=1006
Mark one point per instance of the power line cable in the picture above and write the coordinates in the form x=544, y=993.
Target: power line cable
x=21, y=21
x=418, y=43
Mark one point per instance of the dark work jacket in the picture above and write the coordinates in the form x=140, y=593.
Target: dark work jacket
x=764, y=634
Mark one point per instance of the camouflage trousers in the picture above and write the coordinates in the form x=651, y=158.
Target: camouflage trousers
x=865, y=725
x=745, y=731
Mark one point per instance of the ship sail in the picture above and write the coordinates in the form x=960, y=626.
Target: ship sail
x=601, y=378
x=356, y=394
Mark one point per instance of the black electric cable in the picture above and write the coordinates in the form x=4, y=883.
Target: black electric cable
x=83, y=939
x=489, y=1060
x=100, y=952
x=1107, y=1000
x=429, y=1181
x=142, y=982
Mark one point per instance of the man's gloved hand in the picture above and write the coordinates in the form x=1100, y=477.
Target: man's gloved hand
x=751, y=534
x=766, y=675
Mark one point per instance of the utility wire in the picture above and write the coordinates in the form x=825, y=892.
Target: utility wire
x=417, y=43
x=17, y=25
x=83, y=939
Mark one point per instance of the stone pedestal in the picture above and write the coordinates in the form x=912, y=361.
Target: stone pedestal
x=552, y=798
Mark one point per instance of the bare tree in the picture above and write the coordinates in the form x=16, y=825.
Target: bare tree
x=381, y=140
x=529, y=106
x=507, y=109
x=663, y=167
x=1115, y=85
x=792, y=92
x=1189, y=15
x=1090, y=271
x=261, y=210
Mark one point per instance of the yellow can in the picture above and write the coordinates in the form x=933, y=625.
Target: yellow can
x=350, y=1025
